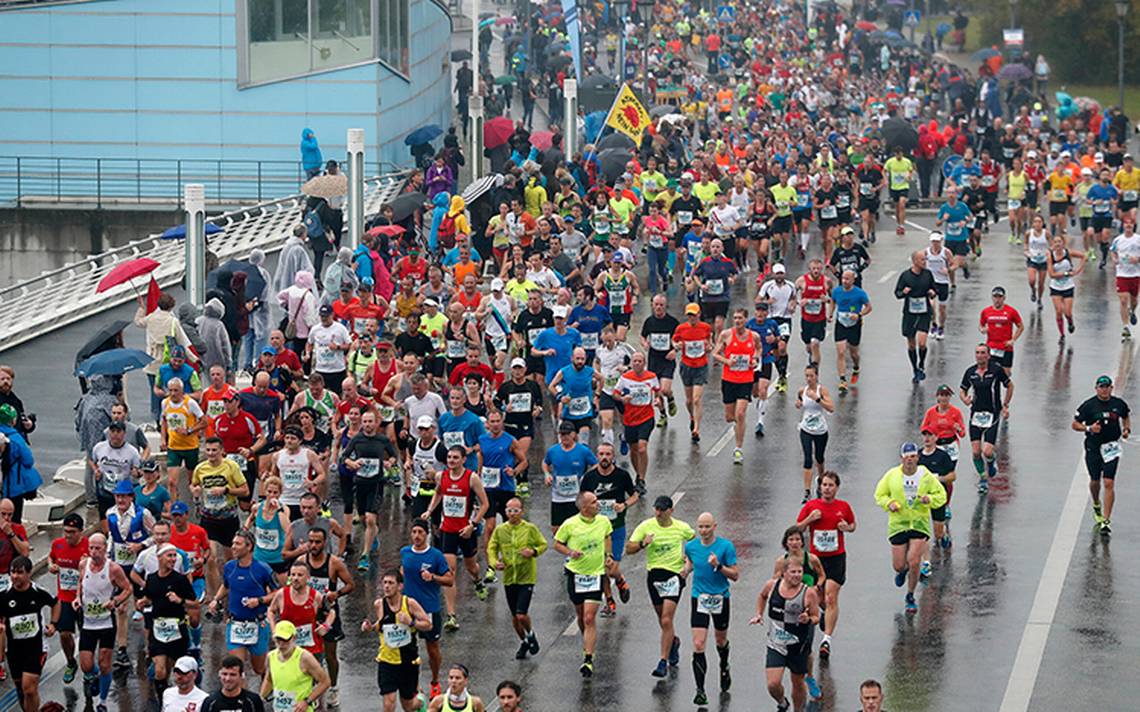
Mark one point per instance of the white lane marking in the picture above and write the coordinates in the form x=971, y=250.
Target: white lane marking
x=886, y=277
x=1035, y=636
x=916, y=226
x=571, y=629
x=721, y=443
x=677, y=497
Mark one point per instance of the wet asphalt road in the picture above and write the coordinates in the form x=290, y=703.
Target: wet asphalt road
x=957, y=653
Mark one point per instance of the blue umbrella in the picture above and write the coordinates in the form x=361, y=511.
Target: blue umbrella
x=595, y=122
x=115, y=362
x=179, y=231
x=943, y=28
x=423, y=134
x=984, y=54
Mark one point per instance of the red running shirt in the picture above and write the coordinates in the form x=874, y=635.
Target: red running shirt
x=826, y=539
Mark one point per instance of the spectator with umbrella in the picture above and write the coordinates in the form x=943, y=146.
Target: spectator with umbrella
x=110, y=336
x=439, y=177
x=163, y=333
x=419, y=142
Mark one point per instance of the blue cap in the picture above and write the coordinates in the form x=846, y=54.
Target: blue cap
x=124, y=487
x=908, y=448
x=269, y=350
x=179, y=508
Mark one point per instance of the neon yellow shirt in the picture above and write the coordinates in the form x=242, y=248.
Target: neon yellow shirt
x=785, y=197
x=1017, y=184
x=899, y=169
x=667, y=550
x=590, y=539
x=707, y=192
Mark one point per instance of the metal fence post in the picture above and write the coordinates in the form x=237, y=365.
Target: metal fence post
x=177, y=192
x=19, y=183
x=98, y=183
x=58, y=187
x=138, y=179
x=219, y=164
x=259, y=181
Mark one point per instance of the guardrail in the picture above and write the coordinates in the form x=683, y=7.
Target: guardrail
x=52, y=180
x=55, y=298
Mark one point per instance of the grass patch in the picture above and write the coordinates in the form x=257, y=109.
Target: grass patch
x=1107, y=94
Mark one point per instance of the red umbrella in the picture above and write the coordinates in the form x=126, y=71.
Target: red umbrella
x=389, y=230
x=125, y=272
x=866, y=26
x=541, y=140
x=497, y=131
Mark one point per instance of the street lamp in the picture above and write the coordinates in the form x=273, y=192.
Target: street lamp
x=1121, y=13
x=1013, y=13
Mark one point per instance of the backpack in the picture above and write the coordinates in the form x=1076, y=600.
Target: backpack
x=313, y=224
x=446, y=232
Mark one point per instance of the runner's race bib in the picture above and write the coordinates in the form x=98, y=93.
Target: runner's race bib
x=267, y=539
x=519, y=403
x=587, y=584
x=982, y=419
x=715, y=287
x=166, y=630
x=669, y=587
x=566, y=485
x=710, y=603
x=660, y=342
x=25, y=626
x=491, y=476
x=1110, y=451
x=590, y=341
x=951, y=450
x=396, y=635
x=826, y=540
x=579, y=407
x=694, y=349
x=241, y=632
x=916, y=305
x=848, y=318
x=454, y=506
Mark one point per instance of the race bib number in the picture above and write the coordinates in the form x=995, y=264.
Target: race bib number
x=396, y=635
x=656, y=240
x=215, y=408
x=951, y=450
x=982, y=419
x=360, y=325
x=587, y=584
x=532, y=334
x=214, y=502
x=843, y=200
x=715, y=287
x=1130, y=196
x=95, y=611
x=867, y=189
x=987, y=181
x=606, y=509
x=711, y=604
x=785, y=329
x=1110, y=451
x=997, y=353
x=453, y=438
x=783, y=637
x=519, y=403
x=292, y=477
x=738, y=362
x=175, y=421
x=660, y=342
x=684, y=217
x=267, y=539
x=326, y=358
x=69, y=579
x=694, y=349
x=669, y=587
x=1058, y=195
x=241, y=632
x=284, y=701
x=5, y=582
x=166, y=630
x=455, y=349
x=1014, y=204
x=369, y=467
x=826, y=540
x=813, y=422
x=617, y=298
x=499, y=342
x=387, y=413
x=828, y=212
x=454, y=507
x=123, y=555
x=304, y=635
x=25, y=626
x=640, y=394
x=916, y=305
x=491, y=476
x=589, y=341
x=848, y=318
x=813, y=306
x=238, y=459
x=566, y=485
x=579, y=407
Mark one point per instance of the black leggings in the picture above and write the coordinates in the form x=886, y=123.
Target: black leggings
x=808, y=441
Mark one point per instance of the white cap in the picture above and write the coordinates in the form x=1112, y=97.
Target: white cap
x=934, y=236
x=1086, y=171
x=518, y=362
x=497, y=284
x=778, y=268
x=1067, y=152
x=1098, y=156
x=560, y=311
x=1031, y=154
x=425, y=421
x=429, y=302
x=186, y=663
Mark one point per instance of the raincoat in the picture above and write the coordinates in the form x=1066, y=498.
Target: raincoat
x=213, y=331
x=338, y=272
x=310, y=150
x=93, y=412
x=20, y=475
x=293, y=259
x=441, y=202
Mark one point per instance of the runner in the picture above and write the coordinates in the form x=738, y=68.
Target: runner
x=616, y=493
x=790, y=608
x=870, y=179
x=815, y=402
x=981, y=389
x=621, y=288
x=781, y=297
x=299, y=469
x=907, y=493
x=657, y=341
x=1002, y=326
x=128, y=526
x=849, y=256
x=956, y=216
x=101, y=589
x=665, y=539
x=399, y=618
x=828, y=520
x=294, y=679
x=366, y=455
x=502, y=458
x=712, y=280
x=304, y=607
x=937, y=460
x=848, y=306
x=425, y=570
x=573, y=389
x=738, y=350
x=1126, y=259
x=940, y=262
x=769, y=332
x=457, y=698
x=170, y=597
x=232, y=695
x=1104, y=419
x=513, y=549
x=636, y=389
x=216, y=484
x=915, y=287
x=564, y=465
x=611, y=361
x=814, y=576
x=1036, y=260
x=520, y=399
x=814, y=290
x=1017, y=182
x=1063, y=265
x=693, y=339
x=185, y=694
x=23, y=622
x=900, y=170
x=784, y=198
x=585, y=539
x=67, y=552
x=247, y=586
x=509, y=693
x=456, y=494
x=945, y=421
x=328, y=575
x=712, y=561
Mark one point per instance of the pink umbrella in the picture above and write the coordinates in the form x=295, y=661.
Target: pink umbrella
x=389, y=230
x=125, y=272
x=541, y=139
x=505, y=20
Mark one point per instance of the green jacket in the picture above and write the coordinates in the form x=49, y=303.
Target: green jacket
x=506, y=542
x=912, y=516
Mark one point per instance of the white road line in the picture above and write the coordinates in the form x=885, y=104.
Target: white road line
x=677, y=497
x=721, y=443
x=1035, y=636
x=916, y=226
x=886, y=277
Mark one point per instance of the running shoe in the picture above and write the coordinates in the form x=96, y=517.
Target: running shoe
x=523, y=489
x=675, y=652
x=480, y=591
x=672, y=407
x=662, y=420
x=362, y=565
x=1105, y=528
x=101, y=707
x=921, y=375
x=737, y=456
x=1126, y=333
x=332, y=697
x=759, y=429
x=924, y=570
x=451, y=624
x=854, y=375
x=695, y=437
x=122, y=659
x=1072, y=326
x=1132, y=317
x=945, y=541
x=965, y=271
x=813, y=688
x=436, y=689
x=700, y=699
x=983, y=486
x=914, y=378
x=624, y=446
x=639, y=485
x=532, y=641
x=662, y=668
x=900, y=578
x=825, y=650
x=1098, y=516
x=623, y=591
x=490, y=576
x=524, y=648
x=609, y=610
x=807, y=496
x=843, y=384
x=69, y=673
x=782, y=384
x=587, y=667
x=784, y=706
x=911, y=604
x=725, y=677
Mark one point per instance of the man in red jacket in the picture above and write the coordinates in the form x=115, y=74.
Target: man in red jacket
x=928, y=145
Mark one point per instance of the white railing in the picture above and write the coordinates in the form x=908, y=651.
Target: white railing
x=55, y=298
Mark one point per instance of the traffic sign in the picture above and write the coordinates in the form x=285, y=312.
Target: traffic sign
x=725, y=13
x=912, y=17
x=725, y=60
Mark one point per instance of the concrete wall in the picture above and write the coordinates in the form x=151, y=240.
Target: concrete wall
x=158, y=79
x=35, y=240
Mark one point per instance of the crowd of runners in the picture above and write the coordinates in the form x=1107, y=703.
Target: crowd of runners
x=480, y=369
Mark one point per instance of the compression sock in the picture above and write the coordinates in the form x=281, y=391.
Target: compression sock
x=913, y=356
x=196, y=636
x=761, y=409
x=722, y=652
x=104, y=685
x=782, y=366
x=922, y=357
x=1104, y=251
x=979, y=465
x=700, y=667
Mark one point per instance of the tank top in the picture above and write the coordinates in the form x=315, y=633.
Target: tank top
x=324, y=408
x=1017, y=184
x=97, y=593
x=1037, y=245
x=936, y=262
x=741, y=354
x=785, y=632
x=294, y=469
x=380, y=378
x=304, y=616
x=422, y=458
x=290, y=682
x=815, y=290
x=468, y=706
x=397, y=641
x=320, y=579
x=1062, y=282
x=402, y=394
x=618, y=293
x=455, y=344
x=491, y=325
x=456, y=503
x=813, y=419
x=269, y=536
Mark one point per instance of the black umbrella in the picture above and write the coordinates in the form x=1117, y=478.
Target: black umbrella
x=254, y=282
x=407, y=204
x=899, y=132
x=598, y=81
x=105, y=339
x=458, y=55
x=613, y=161
x=557, y=62
x=616, y=140
x=661, y=110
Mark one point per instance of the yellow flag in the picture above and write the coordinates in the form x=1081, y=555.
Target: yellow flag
x=628, y=116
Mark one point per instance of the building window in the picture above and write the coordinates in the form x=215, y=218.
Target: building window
x=286, y=38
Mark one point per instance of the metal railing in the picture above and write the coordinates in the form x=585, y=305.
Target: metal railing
x=106, y=182
x=55, y=298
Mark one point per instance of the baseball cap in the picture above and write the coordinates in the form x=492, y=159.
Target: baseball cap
x=692, y=308
x=927, y=430
x=1031, y=154
x=566, y=427
x=944, y=388
x=326, y=310
x=185, y=664
x=663, y=502
x=431, y=303
x=518, y=362
x=284, y=630
x=269, y=350
x=847, y=230
x=1103, y=381
x=998, y=291
x=1098, y=157
x=778, y=268
x=618, y=258
x=73, y=520
x=124, y=487
x=908, y=448
x=179, y=508
x=178, y=352
x=1067, y=152
x=149, y=465
x=762, y=306
x=1086, y=171
x=560, y=311
x=1128, y=157
x=497, y=284
x=934, y=236
x=117, y=425
x=344, y=287
x=425, y=421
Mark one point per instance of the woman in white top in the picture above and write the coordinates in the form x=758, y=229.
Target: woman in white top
x=1064, y=264
x=610, y=360
x=1036, y=260
x=300, y=305
x=815, y=402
